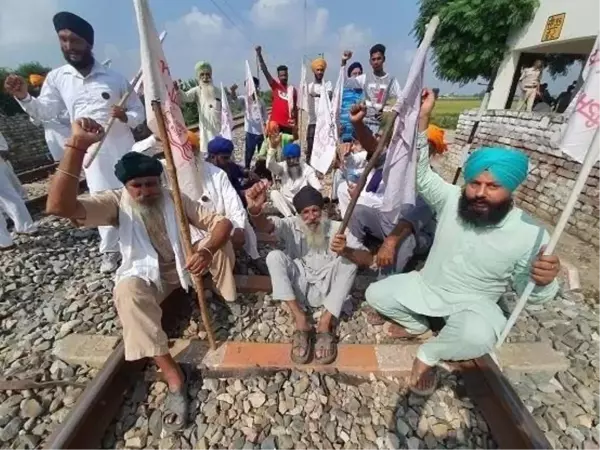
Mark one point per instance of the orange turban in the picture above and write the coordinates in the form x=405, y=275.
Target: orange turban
x=318, y=63
x=435, y=137
x=194, y=139
x=36, y=80
x=272, y=128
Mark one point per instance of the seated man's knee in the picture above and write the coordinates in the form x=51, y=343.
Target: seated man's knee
x=477, y=333
x=375, y=295
x=275, y=257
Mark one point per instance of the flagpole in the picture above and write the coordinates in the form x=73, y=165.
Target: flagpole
x=182, y=221
x=362, y=181
x=588, y=163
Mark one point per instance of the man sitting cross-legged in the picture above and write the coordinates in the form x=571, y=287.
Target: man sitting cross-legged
x=153, y=262
x=316, y=267
x=482, y=242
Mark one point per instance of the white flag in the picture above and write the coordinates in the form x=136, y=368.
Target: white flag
x=325, y=134
x=226, y=117
x=253, y=109
x=399, y=169
x=249, y=84
x=584, y=111
x=138, y=86
x=336, y=101
x=158, y=85
x=303, y=89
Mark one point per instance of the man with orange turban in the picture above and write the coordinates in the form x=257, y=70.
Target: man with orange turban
x=315, y=89
x=435, y=138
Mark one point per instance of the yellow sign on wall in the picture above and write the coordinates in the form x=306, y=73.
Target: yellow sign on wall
x=553, y=27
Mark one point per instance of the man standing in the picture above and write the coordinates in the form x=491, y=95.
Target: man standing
x=208, y=99
x=482, y=243
x=11, y=201
x=153, y=263
x=85, y=88
x=284, y=109
x=316, y=268
x=530, y=83
x=315, y=89
x=255, y=113
x=380, y=88
x=295, y=174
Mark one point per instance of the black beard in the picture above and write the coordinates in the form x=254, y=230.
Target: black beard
x=87, y=60
x=494, y=215
x=295, y=172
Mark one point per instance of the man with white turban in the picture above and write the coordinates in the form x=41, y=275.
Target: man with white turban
x=315, y=88
x=208, y=100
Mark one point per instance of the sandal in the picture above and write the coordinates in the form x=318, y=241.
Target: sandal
x=177, y=406
x=373, y=317
x=301, y=346
x=326, y=341
x=428, y=391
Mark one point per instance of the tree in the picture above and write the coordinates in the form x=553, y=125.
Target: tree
x=8, y=105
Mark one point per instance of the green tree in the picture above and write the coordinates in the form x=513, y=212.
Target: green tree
x=189, y=110
x=8, y=105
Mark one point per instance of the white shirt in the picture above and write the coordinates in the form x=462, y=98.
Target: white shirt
x=375, y=89
x=315, y=89
x=289, y=186
x=3, y=144
x=255, y=116
x=92, y=96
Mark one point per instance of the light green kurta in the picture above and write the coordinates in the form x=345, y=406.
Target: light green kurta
x=468, y=268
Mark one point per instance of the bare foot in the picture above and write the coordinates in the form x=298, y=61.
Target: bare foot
x=422, y=378
x=373, y=317
x=396, y=331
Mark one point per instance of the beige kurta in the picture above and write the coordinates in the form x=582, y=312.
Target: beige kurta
x=209, y=114
x=138, y=303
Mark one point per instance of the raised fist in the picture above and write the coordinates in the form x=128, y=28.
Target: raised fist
x=86, y=132
x=16, y=86
x=358, y=111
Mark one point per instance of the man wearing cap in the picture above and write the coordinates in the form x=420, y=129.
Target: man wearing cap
x=153, y=263
x=294, y=173
x=315, y=89
x=483, y=242
x=316, y=268
x=208, y=99
x=86, y=88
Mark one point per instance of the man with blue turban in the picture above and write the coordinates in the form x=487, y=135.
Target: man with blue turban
x=208, y=100
x=483, y=242
x=294, y=174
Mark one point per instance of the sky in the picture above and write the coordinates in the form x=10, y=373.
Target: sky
x=223, y=32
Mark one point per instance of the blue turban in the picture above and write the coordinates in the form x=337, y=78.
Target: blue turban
x=220, y=146
x=291, y=150
x=508, y=166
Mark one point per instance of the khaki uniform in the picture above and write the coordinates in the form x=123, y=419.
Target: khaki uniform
x=138, y=302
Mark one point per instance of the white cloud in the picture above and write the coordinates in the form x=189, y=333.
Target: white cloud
x=24, y=23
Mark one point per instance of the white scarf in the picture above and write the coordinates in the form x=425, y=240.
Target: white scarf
x=139, y=256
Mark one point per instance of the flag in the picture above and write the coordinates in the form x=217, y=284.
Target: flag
x=253, y=109
x=584, y=111
x=303, y=89
x=138, y=81
x=325, y=134
x=226, y=117
x=158, y=85
x=399, y=169
x=336, y=101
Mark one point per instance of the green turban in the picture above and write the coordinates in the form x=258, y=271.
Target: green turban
x=202, y=65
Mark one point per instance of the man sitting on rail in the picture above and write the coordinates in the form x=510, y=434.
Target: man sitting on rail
x=153, y=262
x=295, y=174
x=482, y=242
x=315, y=269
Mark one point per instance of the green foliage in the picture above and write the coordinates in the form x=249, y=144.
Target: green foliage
x=470, y=42
x=189, y=110
x=8, y=105
x=558, y=64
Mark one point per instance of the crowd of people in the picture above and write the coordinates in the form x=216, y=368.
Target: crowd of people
x=474, y=238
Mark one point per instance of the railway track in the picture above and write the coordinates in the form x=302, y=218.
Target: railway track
x=509, y=421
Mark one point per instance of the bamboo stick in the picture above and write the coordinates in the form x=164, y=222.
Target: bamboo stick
x=182, y=221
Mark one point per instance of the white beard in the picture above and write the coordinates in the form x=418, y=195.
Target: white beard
x=315, y=238
x=208, y=95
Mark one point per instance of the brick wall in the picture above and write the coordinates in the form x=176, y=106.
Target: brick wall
x=26, y=143
x=552, y=174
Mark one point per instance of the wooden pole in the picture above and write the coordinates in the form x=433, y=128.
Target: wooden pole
x=182, y=221
x=383, y=142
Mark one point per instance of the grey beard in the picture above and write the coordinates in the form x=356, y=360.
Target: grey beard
x=294, y=172
x=315, y=238
x=207, y=92
x=148, y=212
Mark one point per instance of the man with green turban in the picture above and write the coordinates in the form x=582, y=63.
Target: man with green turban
x=208, y=99
x=483, y=242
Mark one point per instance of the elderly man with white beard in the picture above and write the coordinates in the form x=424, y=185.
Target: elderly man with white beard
x=208, y=100
x=153, y=263
x=316, y=268
x=295, y=174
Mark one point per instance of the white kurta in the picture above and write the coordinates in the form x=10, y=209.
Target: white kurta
x=209, y=114
x=56, y=131
x=10, y=172
x=91, y=96
x=289, y=186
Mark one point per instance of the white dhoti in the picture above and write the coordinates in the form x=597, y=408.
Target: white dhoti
x=12, y=203
x=284, y=206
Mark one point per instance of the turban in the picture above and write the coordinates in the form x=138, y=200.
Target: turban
x=307, y=196
x=508, y=166
x=435, y=137
x=193, y=138
x=72, y=22
x=220, y=146
x=36, y=80
x=291, y=150
x=272, y=128
x=318, y=63
x=135, y=165
x=353, y=66
x=202, y=65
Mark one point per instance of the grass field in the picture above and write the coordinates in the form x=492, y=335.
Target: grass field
x=447, y=110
